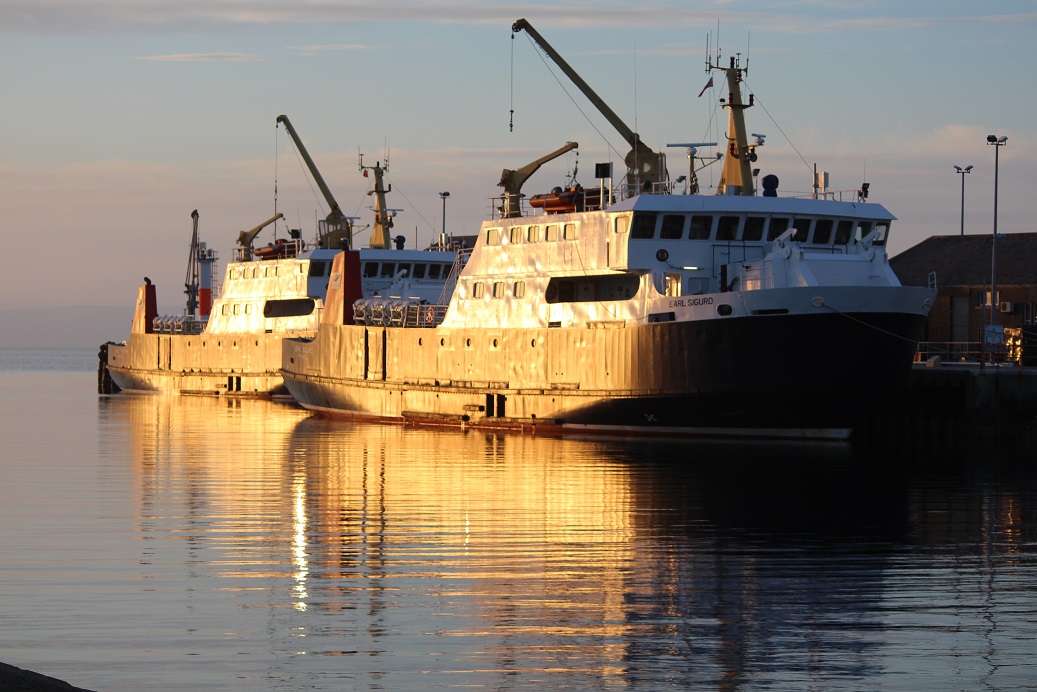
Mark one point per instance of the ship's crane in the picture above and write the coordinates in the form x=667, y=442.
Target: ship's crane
x=338, y=229
x=245, y=238
x=645, y=167
x=191, y=281
x=512, y=181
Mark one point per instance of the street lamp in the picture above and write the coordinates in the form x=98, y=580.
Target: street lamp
x=997, y=142
x=963, y=171
x=444, y=195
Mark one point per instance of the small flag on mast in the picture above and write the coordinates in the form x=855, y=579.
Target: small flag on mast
x=708, y=85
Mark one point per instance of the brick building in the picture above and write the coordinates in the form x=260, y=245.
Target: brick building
x=961, y=266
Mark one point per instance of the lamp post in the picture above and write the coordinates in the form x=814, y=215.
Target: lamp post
x=963, y=171
x=444, y=195
x=997, y=143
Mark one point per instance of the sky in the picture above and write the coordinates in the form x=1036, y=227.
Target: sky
x=120, y=117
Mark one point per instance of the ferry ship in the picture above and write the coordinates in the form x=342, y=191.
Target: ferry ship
x=649, y=312
x=228, y=342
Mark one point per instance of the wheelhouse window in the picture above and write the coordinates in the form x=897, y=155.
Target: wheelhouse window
x=779, y=225
x=493, y=236
x=672, y=227
x=433, y=271
x=478, y=290
x=863, y=229
x=643, y=227
x=516, y=234
x=701, y=227
x=533, y=234
x=370, y=270
x=520, y=289
x=403, y=267
x=552, y=233
x=569, y=231
x=622, y=224
x=802, y=227
x=883, y=228
x=753, y=229
x=727, y=228
x=419, y=270
x=498, y=289
x=823, y=231
x=844, y=232
x=388, y=270
x=318, y=267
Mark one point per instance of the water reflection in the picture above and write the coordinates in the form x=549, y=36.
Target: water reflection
x=387, y=557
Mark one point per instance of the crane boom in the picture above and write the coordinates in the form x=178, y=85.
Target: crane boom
x=512, y=180
x=311, y=165
x=644, y=165
x=337, y=228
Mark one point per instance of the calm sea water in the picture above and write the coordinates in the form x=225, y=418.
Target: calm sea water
x=160, y=542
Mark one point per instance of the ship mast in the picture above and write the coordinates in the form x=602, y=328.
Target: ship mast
x=382, y=215
x=737, y=177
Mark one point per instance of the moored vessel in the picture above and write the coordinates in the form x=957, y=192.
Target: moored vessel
x=634, y=309
x=228, y=340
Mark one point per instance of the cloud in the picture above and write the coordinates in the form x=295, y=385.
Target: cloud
x=75, y=17
x=330, y=48
x=202, y=57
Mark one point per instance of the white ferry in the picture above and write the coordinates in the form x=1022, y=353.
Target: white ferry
x=653, y=313
x=231, y=344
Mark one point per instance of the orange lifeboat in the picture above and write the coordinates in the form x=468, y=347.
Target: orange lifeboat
x=277, y=249
x=560, y=201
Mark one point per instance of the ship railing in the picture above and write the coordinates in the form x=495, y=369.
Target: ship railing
x=460, y=260
x=831, y=195
x=397, y=313
x=1009, y=350
x=178, y=324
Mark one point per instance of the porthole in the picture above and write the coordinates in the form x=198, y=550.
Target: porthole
x=420, y=342
x=442, y=342
x=495, y=343
x=724, y=309
x=467, y=342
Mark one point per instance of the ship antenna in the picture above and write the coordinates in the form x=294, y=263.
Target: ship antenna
x=511, y=113
x=748, y=40
x=277, y=148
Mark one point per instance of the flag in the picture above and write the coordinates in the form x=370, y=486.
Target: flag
x=708, y=85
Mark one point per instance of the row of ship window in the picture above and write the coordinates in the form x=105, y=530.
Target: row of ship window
x=258, y=271
x=500, y=289
x=261, y=270
x=808, y=229
x=533, y=234
x=415, y=270
x=286, y=307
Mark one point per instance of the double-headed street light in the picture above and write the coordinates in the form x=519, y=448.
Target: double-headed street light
x=963, y=171
x=997, y=142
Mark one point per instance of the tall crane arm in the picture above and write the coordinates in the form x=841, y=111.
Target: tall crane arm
x=642, y=161
x=335, y=212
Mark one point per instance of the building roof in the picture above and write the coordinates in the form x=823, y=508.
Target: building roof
x=965, y=260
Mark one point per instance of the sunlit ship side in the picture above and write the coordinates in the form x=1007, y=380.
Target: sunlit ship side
x=656, y=314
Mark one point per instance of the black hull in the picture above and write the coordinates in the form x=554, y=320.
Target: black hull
x=801, y=376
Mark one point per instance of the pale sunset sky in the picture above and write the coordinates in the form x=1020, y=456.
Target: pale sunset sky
x=122, y=116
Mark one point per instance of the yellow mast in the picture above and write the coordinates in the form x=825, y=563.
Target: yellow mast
x=382, y=217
